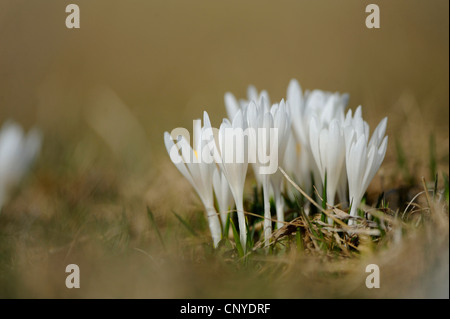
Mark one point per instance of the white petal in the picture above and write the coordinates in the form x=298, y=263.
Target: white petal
x=197, y=137
x=314, y=141
x=370, y=169
x=11, y=146
x=344, y=100
x=336, y=155
x=231, y=105
x=264, y=100
x=238, y=120
x=356, y=165
x=252, y=93
x=176, y=158
x=323, y=154
x=348, y=118
x=379, y=132
x=188, y=154
x=252, y=115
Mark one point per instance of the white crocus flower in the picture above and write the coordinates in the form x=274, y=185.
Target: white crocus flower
x=194, y=164
x=230, y=152
x=223, y=193
x=325, y=106
x=328, y=148
x=296, y=164
x=232, y=106
x=363, y=156
x=356, y=125
x=17, y=152
x=265, y=123
x=291, y=156
x=343, y=186
x=281, y=122
x=261, y=122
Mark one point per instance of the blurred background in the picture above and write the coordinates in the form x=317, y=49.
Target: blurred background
x=167, y=61
x=104, y=94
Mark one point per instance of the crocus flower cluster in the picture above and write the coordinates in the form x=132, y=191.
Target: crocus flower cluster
x=308, y=134
x=17, y=152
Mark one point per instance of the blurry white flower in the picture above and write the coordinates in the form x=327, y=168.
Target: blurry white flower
x=281, y=122
x=265, y=123
x=296, y=163
x=193, y=164
x=223, y=193
x=261, y=122
x=325, y=106
x=342, y=187
x=291, y=163
x=232, y=105
x=328, y=148
x=230, y=152
x=17, y=152
x=363, y=156
x=357, y=124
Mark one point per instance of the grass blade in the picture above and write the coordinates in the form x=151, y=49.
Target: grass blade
x=324, y=199
x=433, y=162
x=299, y=240
x=380, y=200
x=185, y=224
x=227, y=226
x=446, y=187
x=155, y=226
x=436, y=181
x=237, y=239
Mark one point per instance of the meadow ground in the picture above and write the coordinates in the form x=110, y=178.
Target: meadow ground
x=104, y=195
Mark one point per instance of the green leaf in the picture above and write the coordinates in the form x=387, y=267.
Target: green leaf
x=185, y=224
x=435, y=185
x=380, y=200
x=299, y=240
x=227, y=226
x=237, y=240
x=155, y=226
x=324, y=199
x=310, y=227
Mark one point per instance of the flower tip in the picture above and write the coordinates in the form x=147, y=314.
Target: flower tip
x=237, y=117
x=229, y=95
x=345, y=98
x=293, y=84
x=358, y=111
x=206, y=120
